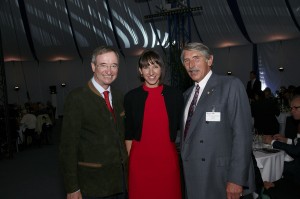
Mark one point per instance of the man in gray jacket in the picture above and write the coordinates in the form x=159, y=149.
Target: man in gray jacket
x=216, y=142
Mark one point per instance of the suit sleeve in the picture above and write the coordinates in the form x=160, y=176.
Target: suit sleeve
x=128, y=118
x=292, y=150
x=69, y=143
x=239, y=115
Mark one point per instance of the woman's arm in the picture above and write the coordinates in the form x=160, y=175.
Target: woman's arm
x=128, y=144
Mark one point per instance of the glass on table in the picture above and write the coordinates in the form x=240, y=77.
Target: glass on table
x=257, y=141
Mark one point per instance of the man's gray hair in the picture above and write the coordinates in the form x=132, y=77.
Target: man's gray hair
x=101, y=50
x=204, y=50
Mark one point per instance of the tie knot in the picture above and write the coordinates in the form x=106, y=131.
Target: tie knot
x=105, y=93
x=197, y=87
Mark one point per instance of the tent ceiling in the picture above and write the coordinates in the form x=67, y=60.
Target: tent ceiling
x=51, y=30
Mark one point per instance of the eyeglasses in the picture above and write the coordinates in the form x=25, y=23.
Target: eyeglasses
x=294, y=108
x=195, y=59
x=106, y=67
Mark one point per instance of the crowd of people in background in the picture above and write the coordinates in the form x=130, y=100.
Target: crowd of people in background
x=34, y=123
x=30, y=125
x=265, y=109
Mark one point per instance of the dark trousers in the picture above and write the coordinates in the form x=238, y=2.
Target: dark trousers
x=30, y=133
x=284, y=188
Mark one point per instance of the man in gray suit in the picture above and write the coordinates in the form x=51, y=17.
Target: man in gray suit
x=216, y=142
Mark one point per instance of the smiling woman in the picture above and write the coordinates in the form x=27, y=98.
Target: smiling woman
x=152, y=68
x=153, y=112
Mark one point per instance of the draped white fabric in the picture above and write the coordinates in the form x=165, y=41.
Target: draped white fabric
x=275, y=54
x=268, y=20
x=54, y=39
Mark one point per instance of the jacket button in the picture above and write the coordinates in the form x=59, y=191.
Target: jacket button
x=203, y=159
x=201, y=141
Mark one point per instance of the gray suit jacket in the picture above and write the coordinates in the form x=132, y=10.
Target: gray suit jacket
x=214, y=153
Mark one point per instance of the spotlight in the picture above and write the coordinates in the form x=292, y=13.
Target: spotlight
x=16, y=88
x=229, y=73
x=281, y=69
x=63, y=85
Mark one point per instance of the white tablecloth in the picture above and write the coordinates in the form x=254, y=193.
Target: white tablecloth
x=270, y=165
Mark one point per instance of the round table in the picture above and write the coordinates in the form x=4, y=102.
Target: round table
x=270, y=164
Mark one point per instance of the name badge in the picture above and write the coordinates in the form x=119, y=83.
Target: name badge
x=213, y=116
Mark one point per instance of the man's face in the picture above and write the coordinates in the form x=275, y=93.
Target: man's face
x=105, y=69
x=196, y=65
x=295, y=108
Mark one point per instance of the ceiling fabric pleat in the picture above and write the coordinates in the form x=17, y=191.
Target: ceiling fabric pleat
x=71, y=29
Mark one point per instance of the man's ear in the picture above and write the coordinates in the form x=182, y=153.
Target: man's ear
x=210, y=60
x=93, y=66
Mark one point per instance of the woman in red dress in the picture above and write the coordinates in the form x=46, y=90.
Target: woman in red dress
x=153, y=113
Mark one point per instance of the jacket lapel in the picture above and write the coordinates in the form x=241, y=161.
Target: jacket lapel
x=186, y=97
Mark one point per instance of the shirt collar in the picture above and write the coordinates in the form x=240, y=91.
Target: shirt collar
x=98, y=87
x=203, y=82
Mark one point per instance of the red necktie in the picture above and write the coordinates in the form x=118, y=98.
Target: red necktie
x=191, y=110
x=106, y=97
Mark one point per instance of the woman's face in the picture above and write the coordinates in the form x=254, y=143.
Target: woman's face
x=151, y=74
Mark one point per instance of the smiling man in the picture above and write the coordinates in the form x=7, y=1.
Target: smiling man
x=216, y=141
x=92, y=150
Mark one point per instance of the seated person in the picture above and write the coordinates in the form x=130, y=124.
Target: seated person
x=288, y=186
x=46, y=131
x=259, y=183
x=291, y=127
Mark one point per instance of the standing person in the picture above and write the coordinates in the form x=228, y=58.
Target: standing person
x=153, y=112
x=265, y=112
x=253, y=85
x=216, y=143
x=92, y=150
x=28, y=122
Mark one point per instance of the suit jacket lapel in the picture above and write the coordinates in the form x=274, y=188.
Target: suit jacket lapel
x=186, y=97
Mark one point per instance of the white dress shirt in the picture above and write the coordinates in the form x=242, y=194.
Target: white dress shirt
x=202, y=85
x=101, y=90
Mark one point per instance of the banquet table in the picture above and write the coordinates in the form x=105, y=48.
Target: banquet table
x=270, y=164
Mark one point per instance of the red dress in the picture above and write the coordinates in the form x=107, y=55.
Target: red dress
x=153, y=164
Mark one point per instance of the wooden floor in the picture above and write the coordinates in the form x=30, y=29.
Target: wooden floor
x=33, y=173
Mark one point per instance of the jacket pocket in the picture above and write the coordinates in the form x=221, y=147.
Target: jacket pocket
x=222, y=161
x=90, y=164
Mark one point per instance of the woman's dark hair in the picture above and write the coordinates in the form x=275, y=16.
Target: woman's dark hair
x=151, y=57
